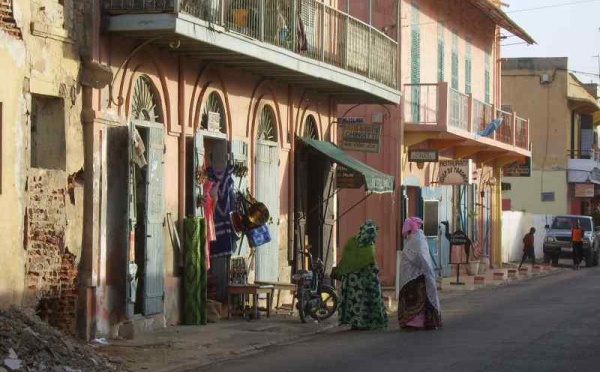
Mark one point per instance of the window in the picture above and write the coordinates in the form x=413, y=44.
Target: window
x=48, y=143
x=455, y=60
x=468, y=63
x=441, y=51
x=415, y=63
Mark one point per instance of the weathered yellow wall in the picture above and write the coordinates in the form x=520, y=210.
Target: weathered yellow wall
x=547, y=108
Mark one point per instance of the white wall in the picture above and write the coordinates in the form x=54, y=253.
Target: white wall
x=514, y=227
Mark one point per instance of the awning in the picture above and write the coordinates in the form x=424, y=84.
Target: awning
x=502, y=19
x=375, y=181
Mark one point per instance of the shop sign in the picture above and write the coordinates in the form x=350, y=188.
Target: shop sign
x=347, y=178
x=456, y=172
x=584, y=190
x=548, y=196
x=517, y=169
x=459, y=238
x=359, y=136
x=423, y=156
x=595, y=175
x=214, y=121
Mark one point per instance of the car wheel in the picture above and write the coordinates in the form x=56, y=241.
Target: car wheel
x=595, y=259
x=589, y=259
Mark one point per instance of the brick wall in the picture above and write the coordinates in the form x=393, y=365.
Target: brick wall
x=51, y=269
x=7, y=21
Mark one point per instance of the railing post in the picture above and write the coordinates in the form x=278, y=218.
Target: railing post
x=514, y=129
x=222, y=17
x=261, y=19
x=347, y=41
x=470, y=114
x=294, y=25
x=176, y=6
x=323, y=30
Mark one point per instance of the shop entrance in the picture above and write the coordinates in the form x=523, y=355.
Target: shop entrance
x=314, y=202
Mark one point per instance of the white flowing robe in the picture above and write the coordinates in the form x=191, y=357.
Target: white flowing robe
x=416, y=261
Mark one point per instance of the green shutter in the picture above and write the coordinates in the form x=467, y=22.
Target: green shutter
x=454, y=59
x=415, y=63
x=487, y=75
x=468, y=63
x=441, y=51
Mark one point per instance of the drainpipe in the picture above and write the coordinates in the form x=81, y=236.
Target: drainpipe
x=181, y=119
x=400, y=143
x=291, y=179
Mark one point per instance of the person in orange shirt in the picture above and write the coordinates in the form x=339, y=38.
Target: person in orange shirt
x=577, y=233
x=528, y=248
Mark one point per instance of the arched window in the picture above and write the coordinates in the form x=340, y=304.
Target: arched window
x=267, y=127
x=310, y=128
x=214, y=106
x=145, y=103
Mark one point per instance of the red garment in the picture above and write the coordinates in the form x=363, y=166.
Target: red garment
x=528, y=241
x=577, y=234
x=209, y=208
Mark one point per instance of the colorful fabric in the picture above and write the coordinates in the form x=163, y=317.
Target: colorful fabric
x=361, y=305
x=367, y=233
x=415, y=261
x=195, y=310
x=411, y=225
x=224, y=244
x=414, y=308
x=355, y=257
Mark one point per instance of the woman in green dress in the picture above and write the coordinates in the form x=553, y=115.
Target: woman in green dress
x=361, y=304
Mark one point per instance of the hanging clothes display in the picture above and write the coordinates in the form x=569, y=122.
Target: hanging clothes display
x=223, y=245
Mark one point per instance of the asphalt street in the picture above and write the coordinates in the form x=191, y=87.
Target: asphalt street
x=543, y=324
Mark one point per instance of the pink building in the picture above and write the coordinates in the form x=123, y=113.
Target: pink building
x=450, y=78
x=207, y=84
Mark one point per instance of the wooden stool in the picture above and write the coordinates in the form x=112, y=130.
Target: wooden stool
x=249, y=290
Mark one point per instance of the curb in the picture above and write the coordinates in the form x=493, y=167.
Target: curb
x=248, y=350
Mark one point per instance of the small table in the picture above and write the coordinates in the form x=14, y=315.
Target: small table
x=281, y=286
x=249, y=290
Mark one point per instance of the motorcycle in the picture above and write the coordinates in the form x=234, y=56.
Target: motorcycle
x=313, y=298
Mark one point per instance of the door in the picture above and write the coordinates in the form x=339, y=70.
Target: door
x=328, y=217
x=198, y=166
x=300, y=207
x=267, y=192
x=154, y=219
x=446, y=215
x=239, y=154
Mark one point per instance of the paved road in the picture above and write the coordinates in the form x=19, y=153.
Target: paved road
x=543, y=324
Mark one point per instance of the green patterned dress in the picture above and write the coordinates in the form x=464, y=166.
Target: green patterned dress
x=361, y=304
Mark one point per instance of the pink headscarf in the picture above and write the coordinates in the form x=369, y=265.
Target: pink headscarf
x=411, y=225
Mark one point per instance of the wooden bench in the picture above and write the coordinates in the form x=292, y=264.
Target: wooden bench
x=252, y=290
x=281, y=286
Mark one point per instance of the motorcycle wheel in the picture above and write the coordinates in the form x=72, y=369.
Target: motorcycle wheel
x=303, y=299
x=327, y=306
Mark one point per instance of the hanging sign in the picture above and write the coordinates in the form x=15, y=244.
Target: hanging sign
x=347, y=178
x=214, y=121
x=359, y=136
x=423, y=156
x=456, y=172
x=584, y=190
x=517, y=169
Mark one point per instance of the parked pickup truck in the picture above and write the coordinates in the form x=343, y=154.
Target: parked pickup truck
x=557, y=243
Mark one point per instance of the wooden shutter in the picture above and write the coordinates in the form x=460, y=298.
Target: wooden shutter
x=441, y=51
x=415, y=64
x=468, y=64
x=239, y=154
x=455, y=60
x=154, y=263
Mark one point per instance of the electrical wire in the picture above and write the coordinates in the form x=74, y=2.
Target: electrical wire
x=552, y=6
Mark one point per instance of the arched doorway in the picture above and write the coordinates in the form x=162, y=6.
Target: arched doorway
x=266, y=181
x=146, y=206
x=314, y=200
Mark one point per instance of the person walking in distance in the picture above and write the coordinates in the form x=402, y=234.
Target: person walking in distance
x=577, y=244
x=528, y=248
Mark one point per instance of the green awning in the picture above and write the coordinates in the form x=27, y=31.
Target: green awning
x=375, y=181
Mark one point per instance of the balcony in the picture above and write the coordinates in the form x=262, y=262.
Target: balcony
x=296, y=41
x=446, y=119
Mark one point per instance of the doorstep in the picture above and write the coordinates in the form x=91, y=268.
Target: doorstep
x=180, y=347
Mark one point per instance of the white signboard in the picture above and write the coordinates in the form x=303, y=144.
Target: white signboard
x=456, y=172
x=214, y=121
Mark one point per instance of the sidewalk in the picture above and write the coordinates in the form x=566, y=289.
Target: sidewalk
x=175, y=348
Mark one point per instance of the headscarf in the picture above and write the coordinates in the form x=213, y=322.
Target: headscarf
x=367, y=233
x=359, y=250
x=411, y=225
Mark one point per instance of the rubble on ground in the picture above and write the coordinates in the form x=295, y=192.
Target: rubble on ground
x=29, y=344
